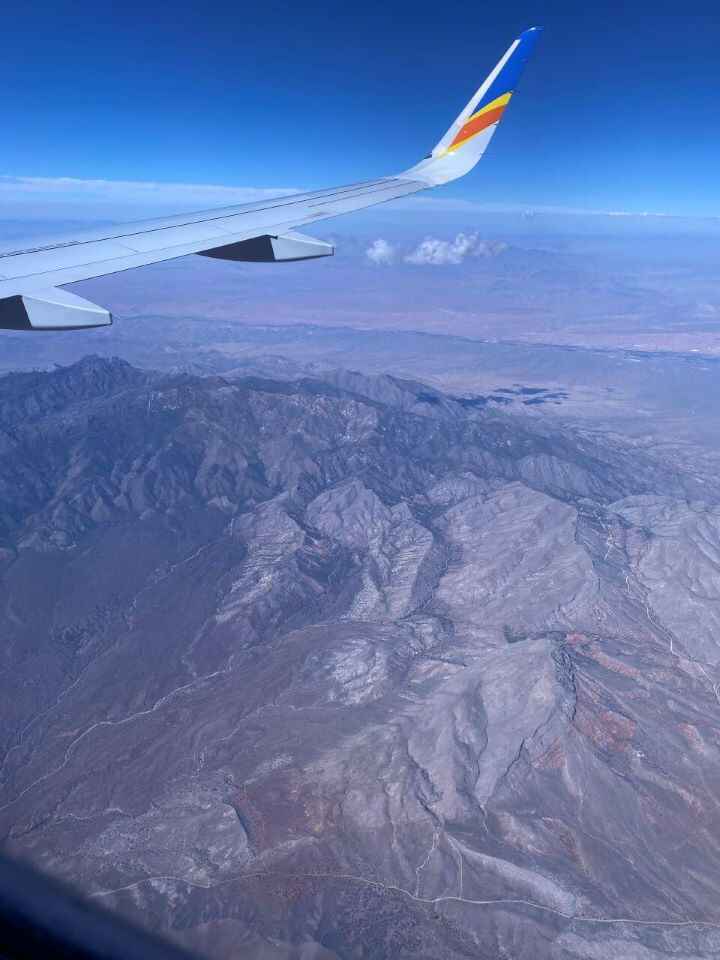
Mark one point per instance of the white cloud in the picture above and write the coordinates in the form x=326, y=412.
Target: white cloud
x=68, y=196
x=110, y=197
x=380, y=252
x=435, y=251
x=134, y=189
x=440, y=252
x=459, y=205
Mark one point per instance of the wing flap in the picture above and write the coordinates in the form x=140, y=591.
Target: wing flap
x=160, y=239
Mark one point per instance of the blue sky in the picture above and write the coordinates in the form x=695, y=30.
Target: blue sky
x=617, y=111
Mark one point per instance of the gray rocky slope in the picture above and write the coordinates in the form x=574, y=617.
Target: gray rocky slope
x=292, y=670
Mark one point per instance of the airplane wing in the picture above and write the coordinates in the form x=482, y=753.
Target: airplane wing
x=32, y=278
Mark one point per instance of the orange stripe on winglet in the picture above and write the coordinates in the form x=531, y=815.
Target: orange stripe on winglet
x=476, y=125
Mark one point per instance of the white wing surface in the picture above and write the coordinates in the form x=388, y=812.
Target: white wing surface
x=265, y=231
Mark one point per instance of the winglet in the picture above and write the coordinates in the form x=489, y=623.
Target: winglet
x=465, y=142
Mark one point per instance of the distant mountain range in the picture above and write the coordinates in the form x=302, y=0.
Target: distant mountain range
x=349, y=667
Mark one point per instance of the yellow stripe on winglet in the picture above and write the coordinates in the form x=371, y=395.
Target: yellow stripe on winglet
x=497, y=102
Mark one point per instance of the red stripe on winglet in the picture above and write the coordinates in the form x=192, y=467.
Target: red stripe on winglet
x=478, y=124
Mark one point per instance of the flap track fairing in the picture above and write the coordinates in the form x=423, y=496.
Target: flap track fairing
x=272, y=249
x=51, y=309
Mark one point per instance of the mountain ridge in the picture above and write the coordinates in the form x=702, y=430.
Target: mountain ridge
x=303, y=671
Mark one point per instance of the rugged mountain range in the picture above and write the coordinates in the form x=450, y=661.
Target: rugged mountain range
x=354, y=669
